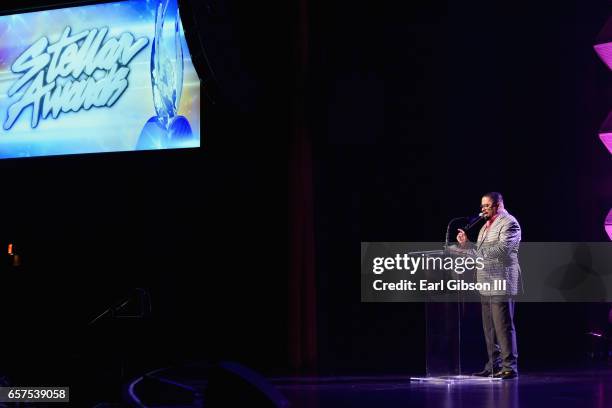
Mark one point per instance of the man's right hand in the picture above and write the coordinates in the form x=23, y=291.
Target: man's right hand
x=462, y=238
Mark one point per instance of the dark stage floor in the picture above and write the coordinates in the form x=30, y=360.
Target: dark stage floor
x=563, y=389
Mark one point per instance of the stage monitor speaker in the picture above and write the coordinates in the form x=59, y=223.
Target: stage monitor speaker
x=233, y=385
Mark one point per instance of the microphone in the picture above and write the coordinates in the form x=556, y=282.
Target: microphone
x=448, y=230
x=467, y=227
x=474, y=222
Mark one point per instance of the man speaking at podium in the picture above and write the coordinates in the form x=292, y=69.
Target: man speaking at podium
x=498, y=243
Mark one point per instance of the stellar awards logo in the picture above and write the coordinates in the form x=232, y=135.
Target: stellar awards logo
x=76, y=72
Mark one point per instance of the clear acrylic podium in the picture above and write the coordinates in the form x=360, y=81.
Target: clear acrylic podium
x=445, y=346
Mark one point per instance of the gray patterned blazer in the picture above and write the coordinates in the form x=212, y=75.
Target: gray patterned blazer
x=499, y=246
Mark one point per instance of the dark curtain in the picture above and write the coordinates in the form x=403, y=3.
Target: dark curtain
x=302, y=282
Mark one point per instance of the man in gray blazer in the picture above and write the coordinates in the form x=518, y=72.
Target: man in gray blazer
x=498, y=244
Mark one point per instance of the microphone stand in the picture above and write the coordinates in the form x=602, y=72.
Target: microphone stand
x=471, y=224
x=466, y=228
x=448, y=230
x=144, y=303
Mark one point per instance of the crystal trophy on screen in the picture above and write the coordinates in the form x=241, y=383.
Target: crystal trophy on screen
x=167, y=129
